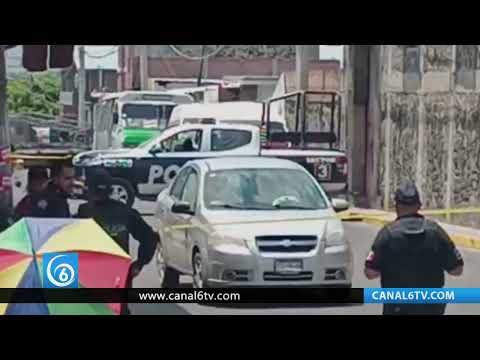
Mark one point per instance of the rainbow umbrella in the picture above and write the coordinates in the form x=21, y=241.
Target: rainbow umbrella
x=101, y=262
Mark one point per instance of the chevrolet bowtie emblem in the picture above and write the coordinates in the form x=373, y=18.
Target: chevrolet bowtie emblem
x=287, y=243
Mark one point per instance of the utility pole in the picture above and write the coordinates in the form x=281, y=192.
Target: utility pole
x=144, y=67
x=82, y=123
x=202, y=64
x=302, y=65
x=6, y=198
x=4, y=133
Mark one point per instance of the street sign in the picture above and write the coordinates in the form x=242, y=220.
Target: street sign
x=66, y=98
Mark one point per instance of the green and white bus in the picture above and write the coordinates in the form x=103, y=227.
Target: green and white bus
x=127, y=119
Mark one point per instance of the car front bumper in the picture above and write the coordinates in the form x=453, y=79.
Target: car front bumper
x=322, y=267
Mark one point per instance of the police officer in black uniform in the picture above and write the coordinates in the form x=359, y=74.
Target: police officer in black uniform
x=412, y=252
x=119, y=221
x=53, y=202
x=5, y=218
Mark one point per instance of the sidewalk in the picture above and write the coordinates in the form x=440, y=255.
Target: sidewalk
x=461, y=235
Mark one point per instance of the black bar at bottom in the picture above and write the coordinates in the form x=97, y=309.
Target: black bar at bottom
x=218, y=295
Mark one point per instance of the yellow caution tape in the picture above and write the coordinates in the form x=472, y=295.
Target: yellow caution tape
x=465, y=241
x=451, y=211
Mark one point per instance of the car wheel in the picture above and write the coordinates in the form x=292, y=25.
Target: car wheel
x=199, y=279
x=123, y=191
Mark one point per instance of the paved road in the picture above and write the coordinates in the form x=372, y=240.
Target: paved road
x=360, y=235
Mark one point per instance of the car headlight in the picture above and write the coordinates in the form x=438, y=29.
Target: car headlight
x=336, y=238
x=230, y=245
x=233, y=249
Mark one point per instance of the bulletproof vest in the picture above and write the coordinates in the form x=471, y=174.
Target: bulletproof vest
x=113, y=221
x=413, y=255
x=413, y=235
x=118, y=232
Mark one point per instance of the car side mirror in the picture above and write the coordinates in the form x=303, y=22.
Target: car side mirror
x=157, y=149
x=340, y=205
x=154, y=150
x=115, y=118
x=182, y=208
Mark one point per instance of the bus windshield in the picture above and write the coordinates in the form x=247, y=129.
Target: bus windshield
x=146, y=115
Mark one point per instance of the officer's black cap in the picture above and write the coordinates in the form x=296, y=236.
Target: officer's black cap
x=99, y=181
x=37, y=173
x=407, y=194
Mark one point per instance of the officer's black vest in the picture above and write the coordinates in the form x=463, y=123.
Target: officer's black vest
x=412, y=256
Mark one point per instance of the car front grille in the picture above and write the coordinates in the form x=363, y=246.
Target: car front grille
x=286, y=243
x=302, y=276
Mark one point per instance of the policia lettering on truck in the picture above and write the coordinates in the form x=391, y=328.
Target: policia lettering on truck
x=166, y=176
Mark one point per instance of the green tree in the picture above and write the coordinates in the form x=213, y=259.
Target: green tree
x=37, y=94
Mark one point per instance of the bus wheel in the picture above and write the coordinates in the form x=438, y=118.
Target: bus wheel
x=123, y=191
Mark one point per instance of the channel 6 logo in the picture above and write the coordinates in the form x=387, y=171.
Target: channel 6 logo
x=60, y=270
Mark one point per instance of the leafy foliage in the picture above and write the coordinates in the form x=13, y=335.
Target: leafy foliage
x=37, y=94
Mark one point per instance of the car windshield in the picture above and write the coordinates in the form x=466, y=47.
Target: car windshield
x=146, y=116
x=262, y=189
x=149, y=143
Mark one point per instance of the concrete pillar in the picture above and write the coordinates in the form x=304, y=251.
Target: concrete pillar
x=358, y=121
x=302, y=67
x=388, y=149
x=373, y=124
x=421, y=128
x=451, y=131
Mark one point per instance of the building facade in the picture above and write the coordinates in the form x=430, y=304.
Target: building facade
x=419, y=106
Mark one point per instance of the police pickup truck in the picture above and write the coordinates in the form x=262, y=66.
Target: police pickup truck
x=144, y=171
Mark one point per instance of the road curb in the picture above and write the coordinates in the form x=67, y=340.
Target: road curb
x=465, y=241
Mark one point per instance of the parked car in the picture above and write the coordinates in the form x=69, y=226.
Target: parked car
x=250, y=221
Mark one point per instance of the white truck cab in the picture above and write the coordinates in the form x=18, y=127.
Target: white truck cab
x=234, y=112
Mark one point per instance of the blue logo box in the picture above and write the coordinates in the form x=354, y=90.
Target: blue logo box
x=60, y=270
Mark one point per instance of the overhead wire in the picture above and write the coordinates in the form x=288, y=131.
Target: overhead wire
x=196, y=58
x=110, y=52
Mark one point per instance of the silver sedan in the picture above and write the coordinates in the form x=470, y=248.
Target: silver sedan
x=250, y=221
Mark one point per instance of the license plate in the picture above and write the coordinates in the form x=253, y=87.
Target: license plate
x=288, y=266
x=324, y=171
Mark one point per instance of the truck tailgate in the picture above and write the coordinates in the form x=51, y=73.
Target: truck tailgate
x=329, y=167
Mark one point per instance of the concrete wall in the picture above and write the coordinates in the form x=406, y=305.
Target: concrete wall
x=430, y=123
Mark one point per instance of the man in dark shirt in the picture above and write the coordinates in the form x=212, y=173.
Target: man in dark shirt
x=119, y=221
x=53, y=202
x=412, y=252
x=5, y=218
x=37, y=182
